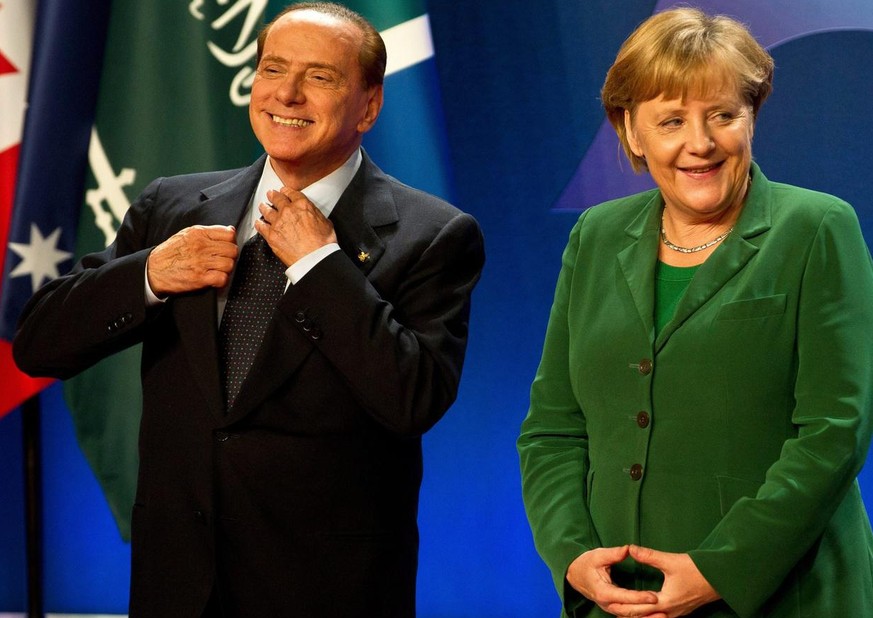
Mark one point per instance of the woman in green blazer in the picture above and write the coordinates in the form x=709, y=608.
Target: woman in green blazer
x=703, y=403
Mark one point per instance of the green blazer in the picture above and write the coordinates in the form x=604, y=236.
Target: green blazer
x=737, y=433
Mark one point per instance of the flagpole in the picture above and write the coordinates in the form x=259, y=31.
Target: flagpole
x=30, y=412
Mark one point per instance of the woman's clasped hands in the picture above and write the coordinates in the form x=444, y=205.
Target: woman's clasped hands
x=684, y=589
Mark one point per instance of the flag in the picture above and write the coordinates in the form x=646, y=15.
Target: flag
x=67, y=48
x=16, y=31
x=409, y=140
x=173, y=99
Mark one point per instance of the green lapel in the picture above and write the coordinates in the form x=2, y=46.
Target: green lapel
x=638, y=260
x=728, y=259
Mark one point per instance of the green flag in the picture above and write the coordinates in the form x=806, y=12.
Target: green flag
x=173, y=99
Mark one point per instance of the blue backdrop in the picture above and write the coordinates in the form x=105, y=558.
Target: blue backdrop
x=520, y=84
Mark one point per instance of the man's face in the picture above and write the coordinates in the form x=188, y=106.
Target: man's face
x=309, y=106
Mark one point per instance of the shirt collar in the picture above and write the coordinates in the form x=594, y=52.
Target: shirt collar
x=324, y=193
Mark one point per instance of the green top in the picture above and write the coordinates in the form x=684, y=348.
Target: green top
x=670, y=284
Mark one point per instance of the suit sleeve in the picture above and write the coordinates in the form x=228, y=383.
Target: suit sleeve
x=553, y=448
x=767, y=535
x=402, y=358
x=97, y=309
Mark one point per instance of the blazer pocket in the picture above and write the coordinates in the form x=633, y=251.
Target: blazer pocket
x=753, y=308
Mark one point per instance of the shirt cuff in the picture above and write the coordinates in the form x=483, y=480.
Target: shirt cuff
x=298, y=269
x=151, y=298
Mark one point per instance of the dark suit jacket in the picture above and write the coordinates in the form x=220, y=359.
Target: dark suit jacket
x=304, y=499
x=735, y=434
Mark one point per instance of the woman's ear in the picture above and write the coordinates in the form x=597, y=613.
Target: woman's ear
x=631, y=136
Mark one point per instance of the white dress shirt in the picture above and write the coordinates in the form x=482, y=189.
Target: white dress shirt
x=323, y=193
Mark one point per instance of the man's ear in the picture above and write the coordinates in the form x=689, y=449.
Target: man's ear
x=374, y=106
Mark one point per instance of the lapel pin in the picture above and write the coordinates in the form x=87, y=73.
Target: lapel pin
x=363, y=256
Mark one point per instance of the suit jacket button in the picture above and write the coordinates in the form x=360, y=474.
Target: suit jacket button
x=200, y=516
x=636, y=472
x=315, y=334
x=300, y=317
x=643, y=419
x=645, y=366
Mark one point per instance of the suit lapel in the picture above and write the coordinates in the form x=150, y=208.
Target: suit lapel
x=195, y=313
x=712, y=276
x=366, y=203
x=637, y=261
x=728, y=259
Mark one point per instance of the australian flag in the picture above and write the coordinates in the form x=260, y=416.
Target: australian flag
x=68, y=40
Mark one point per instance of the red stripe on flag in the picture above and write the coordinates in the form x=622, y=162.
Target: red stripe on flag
x=6, y=66
x=8, y=169
x=15, y=387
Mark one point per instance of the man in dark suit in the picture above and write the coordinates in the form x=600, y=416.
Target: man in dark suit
x=288, y=487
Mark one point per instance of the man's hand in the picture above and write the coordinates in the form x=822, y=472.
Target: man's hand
x=590, y=575
x=684, y=590
x=194, y=258
x=293, y=226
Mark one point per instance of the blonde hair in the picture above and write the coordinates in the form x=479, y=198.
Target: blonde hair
x=680, y=52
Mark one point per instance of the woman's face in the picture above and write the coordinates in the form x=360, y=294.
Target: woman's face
x=698, y=151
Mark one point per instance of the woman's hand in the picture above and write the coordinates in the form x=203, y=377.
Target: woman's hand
x=589, y=574
x=684, y=590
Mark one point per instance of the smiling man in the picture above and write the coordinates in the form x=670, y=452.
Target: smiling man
x=304, y=322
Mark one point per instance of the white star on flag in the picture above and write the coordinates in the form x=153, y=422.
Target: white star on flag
x=40, y=258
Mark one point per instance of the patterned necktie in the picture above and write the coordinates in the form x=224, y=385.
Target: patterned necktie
x=257, y=285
